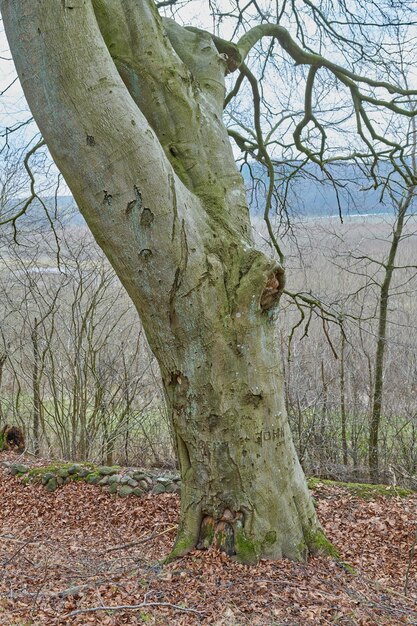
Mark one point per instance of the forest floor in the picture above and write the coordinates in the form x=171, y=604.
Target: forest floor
x=63, y=555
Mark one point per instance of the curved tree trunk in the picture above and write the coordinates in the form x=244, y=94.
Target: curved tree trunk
x=140, y=141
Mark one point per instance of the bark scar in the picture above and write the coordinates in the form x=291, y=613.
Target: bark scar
x=146, y=218
x=179, y=272
x=174, y=204
x=136, y=203
x=145, y=254
x=272, y=290
x=107, y=198
x=12, y=438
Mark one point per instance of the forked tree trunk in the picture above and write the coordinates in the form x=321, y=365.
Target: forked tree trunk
x=150, y=165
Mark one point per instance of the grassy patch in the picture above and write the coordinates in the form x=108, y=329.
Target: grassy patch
x=364, y=491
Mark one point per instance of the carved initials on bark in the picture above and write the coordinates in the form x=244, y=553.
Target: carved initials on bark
x=271, y=435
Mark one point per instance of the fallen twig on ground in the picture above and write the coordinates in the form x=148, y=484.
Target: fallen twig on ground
x=410, y=560
x=135, y=607
x=132, y=544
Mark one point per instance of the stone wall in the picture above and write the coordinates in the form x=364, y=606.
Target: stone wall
x=112, y=479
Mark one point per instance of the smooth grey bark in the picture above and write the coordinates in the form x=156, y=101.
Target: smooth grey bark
x=132, y=115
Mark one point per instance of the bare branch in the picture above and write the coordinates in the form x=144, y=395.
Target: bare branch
x=12, y=220
x=302, y=57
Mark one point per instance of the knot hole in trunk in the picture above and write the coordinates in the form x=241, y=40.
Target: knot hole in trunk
x=12, y=438
x=221, y=532
x=272, y=290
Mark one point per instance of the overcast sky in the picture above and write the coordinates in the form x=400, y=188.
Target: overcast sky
x=12, y=103
x=13, y=107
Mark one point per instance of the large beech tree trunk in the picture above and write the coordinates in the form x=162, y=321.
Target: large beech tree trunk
x=133, y=119
x=241, y=477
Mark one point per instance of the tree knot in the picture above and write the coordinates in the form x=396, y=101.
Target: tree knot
x=273, y=289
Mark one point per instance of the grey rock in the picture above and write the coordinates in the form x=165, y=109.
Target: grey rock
x=92, y=479
x=115, y=478
x=139, y=475
x=124, y=491
x=112, y=488
x=18, y=468
x=106, y=470
x=84, y=472
x=127, y=480
x=173, y=488
x=62, y=473
x=104, y=481
x=52, y=484
x=159, y=488
x=163, y=480
x=74, y=469
x=138, y=492
x=47, y=477
x=143, y=484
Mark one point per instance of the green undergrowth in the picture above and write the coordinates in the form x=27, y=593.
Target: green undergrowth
x=364, y=491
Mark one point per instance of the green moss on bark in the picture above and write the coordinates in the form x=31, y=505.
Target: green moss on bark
x=317, y=542
x=184, y=543
x=270, y=538
x=247, y=551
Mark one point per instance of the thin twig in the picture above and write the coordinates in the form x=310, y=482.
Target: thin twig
x=140, y=541
x=22, y=547
x=134, y=607
x=410, y=560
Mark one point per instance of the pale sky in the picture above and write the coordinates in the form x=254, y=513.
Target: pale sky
x=13, y=101
x=13, y=107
